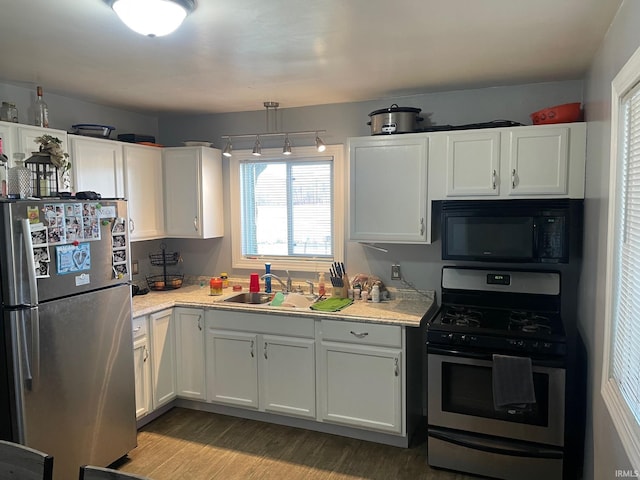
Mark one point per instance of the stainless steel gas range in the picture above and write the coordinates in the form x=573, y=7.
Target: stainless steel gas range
x=496, y=356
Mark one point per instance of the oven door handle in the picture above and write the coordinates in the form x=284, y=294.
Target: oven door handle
x=453, y=352
x=498, y=447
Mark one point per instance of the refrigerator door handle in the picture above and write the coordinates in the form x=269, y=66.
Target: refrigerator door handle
x=31, y=263
x=31, y=358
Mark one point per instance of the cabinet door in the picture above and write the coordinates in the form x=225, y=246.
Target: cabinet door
x=287, y=376
x=143, y=180
x=232, y=368
x=473, y=163
x=98, y=165
x=7, y=134
x=388, y=189
x=361, y=386
x=27, y=138
x=142, y=372
x=164, y=357
x=539, y=161
x=190, y=342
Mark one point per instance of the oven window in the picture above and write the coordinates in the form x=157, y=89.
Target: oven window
x=468, y=389
x=508, y=237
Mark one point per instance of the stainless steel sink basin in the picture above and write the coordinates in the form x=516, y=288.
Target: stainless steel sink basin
x=255, y=298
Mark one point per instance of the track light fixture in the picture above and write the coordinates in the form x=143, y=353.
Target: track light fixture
x=227, y=149
x=154, y=18
x=286, y=150
x=320, y=146
x=257, y=148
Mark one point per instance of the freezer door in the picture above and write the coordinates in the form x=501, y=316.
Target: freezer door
x=80, y=254
x=80, y=405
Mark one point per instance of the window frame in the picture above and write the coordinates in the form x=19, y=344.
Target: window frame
x=625, y=423
x=279, y=263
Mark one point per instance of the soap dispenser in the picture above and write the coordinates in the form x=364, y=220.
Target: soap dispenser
x=321, y=287
x=267, y=279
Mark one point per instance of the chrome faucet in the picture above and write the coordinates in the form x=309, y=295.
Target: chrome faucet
x=285, y=288
x=310, y=283
x=288, y=281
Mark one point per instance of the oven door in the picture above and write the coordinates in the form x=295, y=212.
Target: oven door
x=460, y=397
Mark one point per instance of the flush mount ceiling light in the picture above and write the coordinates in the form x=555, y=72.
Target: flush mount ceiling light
x=154, y=18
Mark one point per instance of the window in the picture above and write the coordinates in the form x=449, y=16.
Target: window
x=287, y=210
x=621, y=370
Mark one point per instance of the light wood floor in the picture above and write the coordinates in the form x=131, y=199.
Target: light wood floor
x=187, y=444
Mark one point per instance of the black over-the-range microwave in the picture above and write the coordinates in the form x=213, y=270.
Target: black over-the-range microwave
x=520, y=231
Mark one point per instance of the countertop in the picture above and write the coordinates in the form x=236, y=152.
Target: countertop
x=405, y=308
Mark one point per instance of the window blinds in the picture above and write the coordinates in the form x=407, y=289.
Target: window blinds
x=625, y=361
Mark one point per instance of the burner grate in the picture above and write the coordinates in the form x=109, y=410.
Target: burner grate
x=529, y=322
x=462, y=317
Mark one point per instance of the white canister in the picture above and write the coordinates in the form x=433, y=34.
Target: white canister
x=375, y=294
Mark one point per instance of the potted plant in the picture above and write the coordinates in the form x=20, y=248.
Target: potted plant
x=52, y=146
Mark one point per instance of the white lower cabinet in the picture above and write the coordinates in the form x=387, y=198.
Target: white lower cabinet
x=262, y=362
x=163, y=355
x=232, y=363
x=288, y=376
x=361, y=378
x=190, y=344
x=142, y=367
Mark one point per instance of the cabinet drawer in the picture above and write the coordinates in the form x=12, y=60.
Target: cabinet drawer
x=139, y=326
x=361, y=333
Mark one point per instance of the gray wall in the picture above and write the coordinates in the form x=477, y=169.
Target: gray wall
x=65, y=111
x=604, y=452
x=420, y=264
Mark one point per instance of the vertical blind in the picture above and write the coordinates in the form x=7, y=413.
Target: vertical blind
x=625, y=361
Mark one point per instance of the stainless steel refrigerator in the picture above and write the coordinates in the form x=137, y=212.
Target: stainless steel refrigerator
x=66, y=358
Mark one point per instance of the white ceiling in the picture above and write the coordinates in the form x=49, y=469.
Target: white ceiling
x=232, y=55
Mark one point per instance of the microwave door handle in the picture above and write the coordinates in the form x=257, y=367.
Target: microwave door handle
x=31, y=263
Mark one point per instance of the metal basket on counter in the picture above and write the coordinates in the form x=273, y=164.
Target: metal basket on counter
x=165, y=281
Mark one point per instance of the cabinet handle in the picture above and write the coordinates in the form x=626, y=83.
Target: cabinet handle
x=513, y=178
x=359, y=334
x=132, y=225
x=396, y=368
x=493, y=179
x=199, y=324
x=265, y=350
x=252, y=354
x=146, y=353
x=137, y=329
x=195, y=223
x=422, y=226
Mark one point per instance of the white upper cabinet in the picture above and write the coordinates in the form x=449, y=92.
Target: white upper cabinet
x=388, y=189
x=524, y=162
x=538, y=161
x=473, y=162
x=19, y=138
x=143, y=180
x=193, y=192
x=97, y=165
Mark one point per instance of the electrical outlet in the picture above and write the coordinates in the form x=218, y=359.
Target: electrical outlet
x=135, y=267
x=395, y=272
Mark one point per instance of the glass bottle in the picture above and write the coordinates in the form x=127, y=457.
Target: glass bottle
x=19, y=181
x=40, y=110
x=9, y=112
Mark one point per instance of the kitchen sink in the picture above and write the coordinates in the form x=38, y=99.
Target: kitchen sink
x=255, y=298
